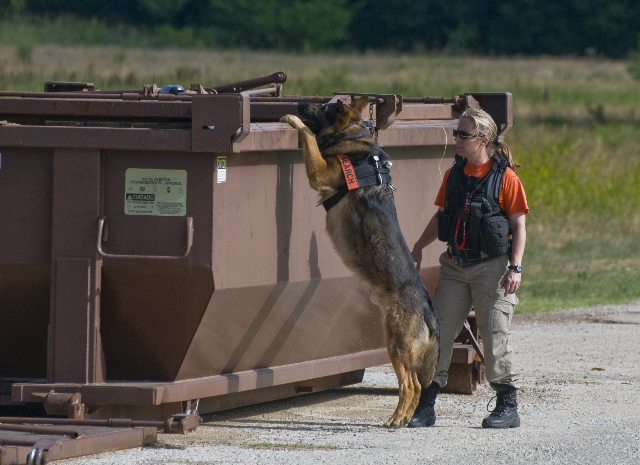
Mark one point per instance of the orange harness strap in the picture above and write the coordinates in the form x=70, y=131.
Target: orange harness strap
x=349, y=172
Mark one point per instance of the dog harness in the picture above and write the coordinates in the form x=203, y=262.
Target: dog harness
x=367, y=172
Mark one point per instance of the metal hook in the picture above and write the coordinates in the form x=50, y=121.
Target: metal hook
x=35, y=457
x=193, y=411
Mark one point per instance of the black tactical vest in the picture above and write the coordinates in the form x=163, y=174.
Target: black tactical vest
x=472, y=223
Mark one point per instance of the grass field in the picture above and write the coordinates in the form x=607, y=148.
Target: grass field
x=576, y=133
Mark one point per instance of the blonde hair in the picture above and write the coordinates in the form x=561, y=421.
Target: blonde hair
x=486, y=127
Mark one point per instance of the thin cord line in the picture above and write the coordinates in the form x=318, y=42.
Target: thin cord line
x=443, y=153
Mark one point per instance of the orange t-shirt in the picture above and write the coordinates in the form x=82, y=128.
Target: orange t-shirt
x=512, y=197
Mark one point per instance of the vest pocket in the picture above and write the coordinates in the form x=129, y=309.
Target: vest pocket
x=494, y=240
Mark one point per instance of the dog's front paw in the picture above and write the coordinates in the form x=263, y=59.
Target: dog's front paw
x=293, y=120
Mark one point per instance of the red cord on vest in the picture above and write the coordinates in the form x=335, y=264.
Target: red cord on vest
x=467, y=210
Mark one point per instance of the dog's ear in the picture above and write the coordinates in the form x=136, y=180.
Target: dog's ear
x=306, y=110
x=361, y=104
x=340, y=106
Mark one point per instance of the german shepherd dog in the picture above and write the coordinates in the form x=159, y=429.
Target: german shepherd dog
x=364, y=229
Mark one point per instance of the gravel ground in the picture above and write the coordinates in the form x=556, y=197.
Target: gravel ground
x=579, y=403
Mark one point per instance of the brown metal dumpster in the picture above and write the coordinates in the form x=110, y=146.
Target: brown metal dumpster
x=162, y=251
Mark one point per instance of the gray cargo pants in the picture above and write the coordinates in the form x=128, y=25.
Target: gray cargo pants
x=478, y=286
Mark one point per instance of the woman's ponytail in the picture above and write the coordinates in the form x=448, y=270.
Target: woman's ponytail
x=502, y=150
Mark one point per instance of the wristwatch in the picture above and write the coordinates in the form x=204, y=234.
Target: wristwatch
x=516, y=268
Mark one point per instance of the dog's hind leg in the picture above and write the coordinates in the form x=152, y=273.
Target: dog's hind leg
x=401, y=374
x=416, y=397
x=408, y=390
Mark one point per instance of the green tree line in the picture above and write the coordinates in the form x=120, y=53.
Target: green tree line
x=608, y=28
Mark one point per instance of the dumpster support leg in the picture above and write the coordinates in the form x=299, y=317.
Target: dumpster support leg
x=74, y=353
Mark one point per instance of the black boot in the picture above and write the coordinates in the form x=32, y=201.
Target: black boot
x=425, y=414
x=505, y=415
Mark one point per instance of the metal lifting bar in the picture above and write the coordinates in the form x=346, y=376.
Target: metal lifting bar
x=183, y=423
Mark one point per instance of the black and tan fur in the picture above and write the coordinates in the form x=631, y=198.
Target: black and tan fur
x=365, y=232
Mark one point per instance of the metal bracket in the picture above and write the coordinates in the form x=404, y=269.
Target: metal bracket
x=219, y=122
x=462, y=102
x=499, y=106
x=387, y=106
x=101, y=222
x=183, y=423
x=62, y=404
x=387, y=110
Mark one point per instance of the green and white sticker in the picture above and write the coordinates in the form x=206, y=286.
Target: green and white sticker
x=155, y=192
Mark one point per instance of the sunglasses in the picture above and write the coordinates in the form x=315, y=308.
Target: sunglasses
x=463, y=134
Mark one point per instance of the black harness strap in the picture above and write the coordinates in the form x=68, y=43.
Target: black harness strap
x=368, y=172
x=332, y=201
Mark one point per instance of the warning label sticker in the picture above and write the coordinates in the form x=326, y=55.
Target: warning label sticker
x=222, y=169
x=155, y=192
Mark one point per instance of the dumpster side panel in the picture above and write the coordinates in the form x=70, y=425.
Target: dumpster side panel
x=267, y=226
x=268, y=326
x=281, y=290
x=152, y=308
x=26, y=178
x=283, y=295
x=416, y=173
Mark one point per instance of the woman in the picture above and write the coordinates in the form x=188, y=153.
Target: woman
x=481, y=215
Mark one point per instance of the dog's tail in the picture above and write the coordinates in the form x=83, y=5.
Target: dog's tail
x=432, y=350
x=429, y=362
